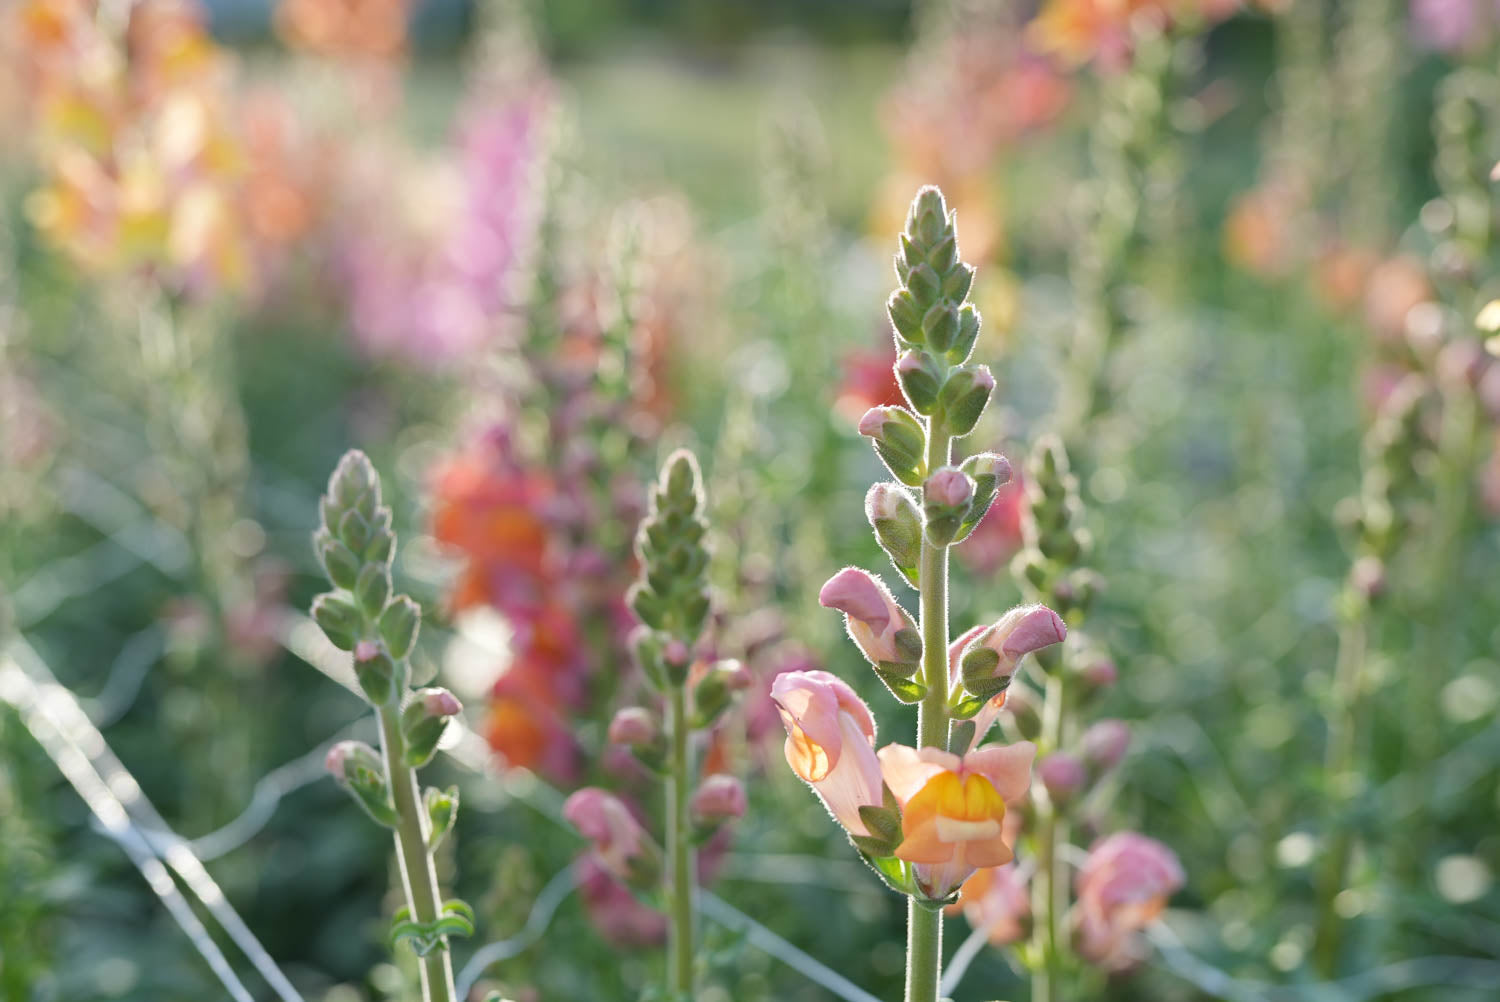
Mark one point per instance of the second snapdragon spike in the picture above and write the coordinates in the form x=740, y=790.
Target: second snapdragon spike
x=355, y=544
x=672, y=600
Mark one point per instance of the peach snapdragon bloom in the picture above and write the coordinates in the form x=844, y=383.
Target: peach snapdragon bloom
x=953, y=808
x=1123, y=886
x=830, y=743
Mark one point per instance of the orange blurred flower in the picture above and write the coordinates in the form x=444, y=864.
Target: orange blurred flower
x=361, y=28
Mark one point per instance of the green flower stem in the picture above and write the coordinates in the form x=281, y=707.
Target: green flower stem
x=418, y=875
x=680, y=849
x=1050, y=888
x=924, y=926
x=1347, y=711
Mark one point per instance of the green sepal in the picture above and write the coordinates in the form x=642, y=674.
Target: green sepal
x=339, y=620
x=355, y=531
x=338, y=561
x=381, y=678
x=908, y=643
x=935, y=904
x=425, y=937
x=961, y=737
x=901, y=685
x=893, y=872
x=372, y=588
x=442, y=813
x=399, y=624
x=966, y=706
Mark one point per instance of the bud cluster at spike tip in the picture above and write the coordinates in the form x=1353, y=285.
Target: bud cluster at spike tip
x=355, y=544
x=1056, y=542
x=671, y=596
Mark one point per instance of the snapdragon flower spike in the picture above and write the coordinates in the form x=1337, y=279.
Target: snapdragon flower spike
x=883, y=631
x=953, y=808
x=619, y=842
x=946, y=496
x=672, y=596
x=898, y=528
x=830, y=744
x=899, y=441
x=991, y=656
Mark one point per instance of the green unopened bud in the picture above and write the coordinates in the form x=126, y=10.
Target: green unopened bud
x=398, y=625
x=357, y=768
x=920, y=380
x=442, y=813
x=940, y=327
x=925, y=286
x=945, y=504
x=339, y=620
x=990, y=472
x=646, y=646
x=671, y=594
x=964, y=398
x=968, y=333
x=898, y=527
x=957, y=283
x=927, y=218
x=717, y=689
x=339, y=562
x=423, y=722
x=380, y=676
x=372, y=588
x=355, y=531
x=906, y=318
x=899, y=442
x=354, y=475
x=382, y=544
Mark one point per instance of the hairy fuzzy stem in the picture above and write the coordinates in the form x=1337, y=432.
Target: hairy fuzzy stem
x=924, y=926
x=1050, y=890
x=680, y=849
x=1345, y=724
x=418, y=875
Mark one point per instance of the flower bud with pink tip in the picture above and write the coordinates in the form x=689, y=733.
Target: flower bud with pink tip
x=633, y=726
x=991, y=657
x=1064, y=776
x=1104, y=743
x=877, y=623
x=953, y=808
x=830, y=743
x=719, y=798
x=618, y=840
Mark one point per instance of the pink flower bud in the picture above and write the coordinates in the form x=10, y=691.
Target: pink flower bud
x=984, y=379
x=633, y=725
x=885, y=501
x=334, y=760
x=949, y=487
x=877, y=624
x=1063, y=775
x=676, y=653
x=1101, y=673
x=990, y=464
x=719, y=798
x=441, y=703
x=366, y=650
x=1105, y=742
x=873, y=421
x=909, y=362
x=1021, y=631
x=344, y=756
x=737, y=677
